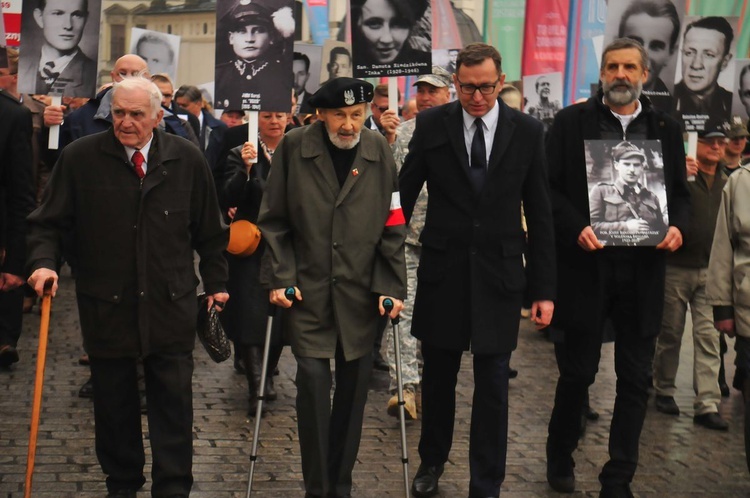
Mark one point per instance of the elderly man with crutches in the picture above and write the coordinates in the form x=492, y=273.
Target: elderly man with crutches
x=331, y=217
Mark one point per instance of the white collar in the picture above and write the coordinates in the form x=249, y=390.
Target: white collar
x=489, y=119
x=144, y=150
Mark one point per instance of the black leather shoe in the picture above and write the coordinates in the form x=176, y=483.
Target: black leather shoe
x=560, y=475
x=8, y=355
x=711, y=421
x=512, y=373
x=425, y=483
x=666, y=404
x=724, y=388
x=621, y=491
x=86, y=390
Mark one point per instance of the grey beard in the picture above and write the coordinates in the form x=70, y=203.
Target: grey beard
x=622, y=97
x=335, y=140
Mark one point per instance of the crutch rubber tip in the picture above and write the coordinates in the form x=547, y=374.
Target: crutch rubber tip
x=253, y=458
x=404, y=460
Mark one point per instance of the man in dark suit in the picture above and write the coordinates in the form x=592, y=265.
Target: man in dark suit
x=596, y=283
x=16, y=202
x=480, y=160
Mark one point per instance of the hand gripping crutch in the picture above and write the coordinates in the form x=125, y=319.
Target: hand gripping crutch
x=289, y=294
x=36, y=407
x=388, y=305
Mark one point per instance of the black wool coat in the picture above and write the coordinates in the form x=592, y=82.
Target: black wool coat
x=471, y=277
x=134, y=241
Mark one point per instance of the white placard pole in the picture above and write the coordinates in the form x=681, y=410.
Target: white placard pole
x=54, y=131
x=393, y=94
x=252, y=132
x=692, y=149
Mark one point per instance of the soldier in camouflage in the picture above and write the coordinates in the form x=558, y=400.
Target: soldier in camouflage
x=432, y=90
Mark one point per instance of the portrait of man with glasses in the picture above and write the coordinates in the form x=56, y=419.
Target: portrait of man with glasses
x=480, y=159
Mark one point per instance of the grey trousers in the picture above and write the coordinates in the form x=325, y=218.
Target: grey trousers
x=329, y=433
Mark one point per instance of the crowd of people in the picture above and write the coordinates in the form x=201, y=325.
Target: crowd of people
x=358, y=203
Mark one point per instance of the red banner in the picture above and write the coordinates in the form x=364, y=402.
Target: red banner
x=545, y=36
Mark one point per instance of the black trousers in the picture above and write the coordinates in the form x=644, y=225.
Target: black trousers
x=117, y=417
x=578, y=361
x=489, y=415
x=11, y=316
x=329, y=434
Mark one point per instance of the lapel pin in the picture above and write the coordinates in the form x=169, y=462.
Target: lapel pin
x=355, y=172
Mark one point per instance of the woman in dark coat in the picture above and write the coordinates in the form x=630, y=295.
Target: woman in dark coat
x=245, y=319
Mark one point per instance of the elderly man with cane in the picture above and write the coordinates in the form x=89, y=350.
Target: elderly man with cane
x=334, y=230
x=136, y=217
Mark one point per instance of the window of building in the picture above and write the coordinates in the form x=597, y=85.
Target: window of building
x=117, y=42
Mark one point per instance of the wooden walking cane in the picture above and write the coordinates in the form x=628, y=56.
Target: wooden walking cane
x=36, y=407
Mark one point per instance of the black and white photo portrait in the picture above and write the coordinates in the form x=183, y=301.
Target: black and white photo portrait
x=391, y=37
x=161, y=51
x=627, y=197
x=543, y=94
x=741, y=101
x=655, y=24
x=336, y=61
x=254, y=51
x=59, y=47
x=705, y=75
x=306, y=63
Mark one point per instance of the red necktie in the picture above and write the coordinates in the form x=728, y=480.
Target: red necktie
x=137, y=160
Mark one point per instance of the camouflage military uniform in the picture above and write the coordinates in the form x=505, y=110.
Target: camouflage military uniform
x=409, y=368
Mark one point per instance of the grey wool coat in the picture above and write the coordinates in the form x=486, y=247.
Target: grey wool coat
x=332, y=242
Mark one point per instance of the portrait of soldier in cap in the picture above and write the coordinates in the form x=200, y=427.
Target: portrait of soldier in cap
x=626, y=211
x=254, y=50
x=52, y=59
x=384, y=41
x=548, y=91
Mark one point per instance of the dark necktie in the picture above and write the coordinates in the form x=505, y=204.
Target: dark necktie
x=48, y=73
x=137, y=160
x=478, y=157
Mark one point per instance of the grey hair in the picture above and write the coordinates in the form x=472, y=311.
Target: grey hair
x=623, y=43
x=145, y=85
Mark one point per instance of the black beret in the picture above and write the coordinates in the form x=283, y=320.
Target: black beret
x=342, y=92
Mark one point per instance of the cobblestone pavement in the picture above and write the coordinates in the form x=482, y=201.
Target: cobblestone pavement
x=677, y=458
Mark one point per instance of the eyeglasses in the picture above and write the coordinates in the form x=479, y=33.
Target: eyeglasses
x=485, y=89
x=380, y=108
x=713, y=141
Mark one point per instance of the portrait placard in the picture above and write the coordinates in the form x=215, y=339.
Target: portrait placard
x=543, y=94
x=59, y=47
x=336, y=61
x=391, y=37
x=161, y=51
x=656, y=24
x=306, y=63
x=627, y=196
x=741, y=99
x=254, y=51
x=705, y=76
x=3, y=43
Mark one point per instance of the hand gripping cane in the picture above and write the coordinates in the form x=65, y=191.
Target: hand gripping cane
x=289, y=294
x=36, y=407
x=388, y=305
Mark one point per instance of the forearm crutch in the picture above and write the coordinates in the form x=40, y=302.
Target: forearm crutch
x=36, y=407
x=289, y=294
x=388, y=305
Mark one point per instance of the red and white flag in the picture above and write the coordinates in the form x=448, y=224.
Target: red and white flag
x=396, y=216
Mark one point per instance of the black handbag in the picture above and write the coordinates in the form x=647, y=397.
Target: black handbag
x=211, y=333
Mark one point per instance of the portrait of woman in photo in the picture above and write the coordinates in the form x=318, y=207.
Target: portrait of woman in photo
x=254, y=51
x=384, y=36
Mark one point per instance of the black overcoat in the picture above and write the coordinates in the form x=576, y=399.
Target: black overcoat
x=579, y=285
x=134, y=241
x=471, y=277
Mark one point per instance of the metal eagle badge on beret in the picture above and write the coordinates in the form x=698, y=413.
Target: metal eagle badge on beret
x=342, y=92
